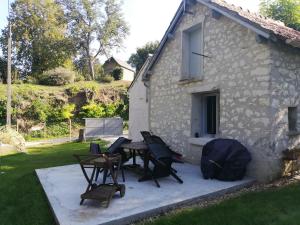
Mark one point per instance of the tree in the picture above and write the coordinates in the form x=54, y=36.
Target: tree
x=117, y=73
x=95, y=23
x=39, y=36
x=3, y=71
x=287, y=11
x=67, y=113
x=138, y=59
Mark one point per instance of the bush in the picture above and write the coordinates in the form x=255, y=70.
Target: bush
x=79, y=77
x=92, y=110
x=57, y=77
x=31, y=80
x=52, y=130
x=117, y=73
x=99, y=71
x=17, y=82
x=110, y=109
x=39, y=110
x=12, y=137
x=106, y=79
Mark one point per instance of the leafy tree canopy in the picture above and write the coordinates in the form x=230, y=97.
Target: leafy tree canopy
x=287, y=11
x=39, y=35
x=138, y=59
x=3, y=71
x=95, y=23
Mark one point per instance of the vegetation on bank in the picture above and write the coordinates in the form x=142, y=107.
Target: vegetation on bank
x=40, y=111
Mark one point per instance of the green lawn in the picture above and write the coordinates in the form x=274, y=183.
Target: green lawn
x=279, y=206
x=22, y=200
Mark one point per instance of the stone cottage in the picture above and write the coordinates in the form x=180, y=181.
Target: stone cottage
x=221, y=71
x=113, y=63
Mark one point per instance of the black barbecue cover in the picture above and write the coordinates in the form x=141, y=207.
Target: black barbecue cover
x=224, y=159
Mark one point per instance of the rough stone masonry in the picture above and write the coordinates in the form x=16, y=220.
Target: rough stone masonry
x=256, y=82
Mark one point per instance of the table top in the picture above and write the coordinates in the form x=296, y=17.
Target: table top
x=135, y=145
x=100, y=160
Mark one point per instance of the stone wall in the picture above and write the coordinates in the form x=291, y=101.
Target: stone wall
x=239, y=69
x=285, y=91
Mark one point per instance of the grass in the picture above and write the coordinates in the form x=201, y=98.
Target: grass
x=278, y=206
x=22, y=200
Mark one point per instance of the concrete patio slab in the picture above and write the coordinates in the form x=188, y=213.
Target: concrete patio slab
x=63, y=186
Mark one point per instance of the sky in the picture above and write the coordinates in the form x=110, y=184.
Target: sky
x=147, y=19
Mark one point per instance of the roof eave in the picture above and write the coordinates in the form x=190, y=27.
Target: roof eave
x=227, y=13
x=237, y=18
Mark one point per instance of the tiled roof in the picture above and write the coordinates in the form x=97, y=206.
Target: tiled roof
x=124, y=64
x=120, y=63
x=266, y=27
x=277, y=28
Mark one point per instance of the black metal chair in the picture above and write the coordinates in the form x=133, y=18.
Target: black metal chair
x=161, y=157
x=95, y=148
x=115, y=148
x=151, y=138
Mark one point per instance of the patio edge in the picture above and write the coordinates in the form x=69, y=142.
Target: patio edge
x=164, y=209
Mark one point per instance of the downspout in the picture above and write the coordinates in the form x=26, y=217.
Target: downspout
x=148, y=99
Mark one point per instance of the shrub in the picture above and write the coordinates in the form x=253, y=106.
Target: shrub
x=117, y=73
x=31, y=80
x=99, y=71
x=92, y=110
x=12, y=137
x=39, y=110
x=79, y=77
x=110, y=109
x=123, y=111
x=106, y=79
x=18, y=82
x=57, y=77
x=55, y=115
x=52, y=130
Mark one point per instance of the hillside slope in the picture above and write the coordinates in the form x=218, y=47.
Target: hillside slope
x=35, y=104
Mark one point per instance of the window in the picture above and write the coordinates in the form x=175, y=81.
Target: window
x=292, y=119
x=205, y=114
x=211, y=114
x=192, y=59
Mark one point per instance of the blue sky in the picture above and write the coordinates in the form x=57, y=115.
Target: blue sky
x=3, y=13
x=148, y=20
